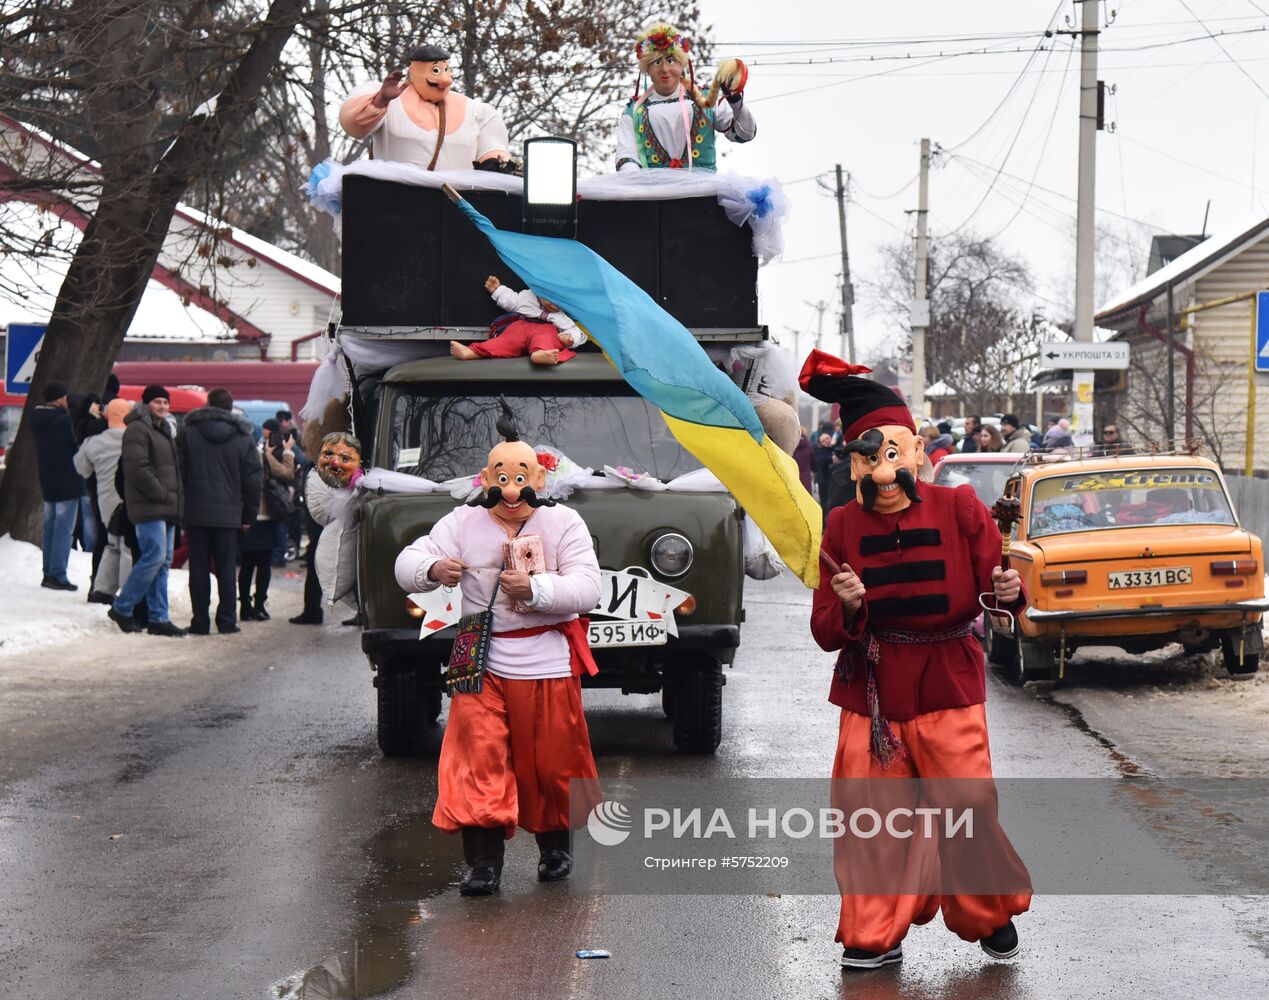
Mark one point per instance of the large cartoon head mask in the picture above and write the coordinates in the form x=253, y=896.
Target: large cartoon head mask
x=339, y=459
x=884, y=462
x=430, y=74
x=514, y=483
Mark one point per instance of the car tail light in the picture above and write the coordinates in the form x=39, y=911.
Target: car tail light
x=1235, y=567
x=1056, y=577
x=412, y=609
x=686, y=608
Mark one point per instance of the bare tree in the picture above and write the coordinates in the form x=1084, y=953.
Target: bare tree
x=981, y=339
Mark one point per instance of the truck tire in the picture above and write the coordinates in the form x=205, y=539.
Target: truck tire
x=1036, y=661
x=697, y=700
x=1249, y=664
x=408, y=708
x=1002, y=650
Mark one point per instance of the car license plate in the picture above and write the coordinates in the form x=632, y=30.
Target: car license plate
x=1177, y=575
x=627, y=633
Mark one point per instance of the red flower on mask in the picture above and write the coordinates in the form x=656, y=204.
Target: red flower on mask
x=548, y=461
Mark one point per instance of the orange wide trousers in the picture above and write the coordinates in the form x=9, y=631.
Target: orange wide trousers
x=509, y=754
x=951, y=743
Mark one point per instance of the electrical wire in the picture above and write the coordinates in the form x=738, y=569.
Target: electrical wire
x=1242, y=69
x=1192, y=166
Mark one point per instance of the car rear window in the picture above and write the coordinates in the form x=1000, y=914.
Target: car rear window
x=1126, y=498
x=987, y=478
x=444, y=435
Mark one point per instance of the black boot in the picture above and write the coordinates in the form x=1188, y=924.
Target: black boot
x=482, y=850
x=555, y=860
x=245, y=612
x=261, y=614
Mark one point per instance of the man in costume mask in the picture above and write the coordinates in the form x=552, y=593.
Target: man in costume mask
x=903, y=566
x=330, y=493
x=672, y=124
x=515, y=738
x=415, y=117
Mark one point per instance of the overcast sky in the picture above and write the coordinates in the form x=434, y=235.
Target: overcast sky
x=1190, y=126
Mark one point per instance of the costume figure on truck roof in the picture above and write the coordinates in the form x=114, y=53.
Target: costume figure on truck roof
x=414, y=116
x=531, y=326
x=672, y=124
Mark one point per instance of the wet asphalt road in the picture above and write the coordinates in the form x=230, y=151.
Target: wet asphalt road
x=255, y=840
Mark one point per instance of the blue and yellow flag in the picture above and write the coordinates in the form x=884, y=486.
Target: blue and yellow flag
x=663, y=362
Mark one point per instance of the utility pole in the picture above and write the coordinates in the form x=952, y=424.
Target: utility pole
x=920, y=319
x=1089, y=121
x=848, y=289
x=819, y=308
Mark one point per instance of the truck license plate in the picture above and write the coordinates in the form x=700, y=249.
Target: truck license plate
x=627, y=633
x=1152, y=578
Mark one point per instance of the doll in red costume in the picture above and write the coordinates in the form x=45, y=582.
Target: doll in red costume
x=904, y=565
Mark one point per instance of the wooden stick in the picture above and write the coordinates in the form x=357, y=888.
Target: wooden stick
x=450, y=193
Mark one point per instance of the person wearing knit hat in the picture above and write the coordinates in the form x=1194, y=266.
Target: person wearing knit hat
x=903, y=566
x=61, y=486
x=414, y=116
x=671, y=125
x=153, y=392
x=54, y=391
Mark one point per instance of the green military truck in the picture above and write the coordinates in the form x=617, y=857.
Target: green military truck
x=434, y=417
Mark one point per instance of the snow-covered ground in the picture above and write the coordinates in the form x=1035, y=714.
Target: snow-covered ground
x=34, y=618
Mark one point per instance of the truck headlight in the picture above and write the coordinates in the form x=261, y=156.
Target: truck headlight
x=671, y=555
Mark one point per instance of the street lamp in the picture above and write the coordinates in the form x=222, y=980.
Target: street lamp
x=550, y=187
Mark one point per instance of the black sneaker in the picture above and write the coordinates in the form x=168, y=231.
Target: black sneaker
x=166, y=629
x=52, y=583
x=126, y=623
x=307, y=618
x=199, y=628
x=857, y=958
x=227, y=629
x=1001, y=944
x=100, y=597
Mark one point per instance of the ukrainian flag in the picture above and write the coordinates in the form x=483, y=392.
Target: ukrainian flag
x=663, y=362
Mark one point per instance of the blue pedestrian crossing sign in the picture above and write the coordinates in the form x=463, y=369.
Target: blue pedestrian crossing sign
x=21, y=351
x=1262, y=331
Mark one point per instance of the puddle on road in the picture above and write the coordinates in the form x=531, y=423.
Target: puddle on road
x=410, y=862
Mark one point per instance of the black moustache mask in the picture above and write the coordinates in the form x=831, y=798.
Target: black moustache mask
x=494, y=497
x=868, y=489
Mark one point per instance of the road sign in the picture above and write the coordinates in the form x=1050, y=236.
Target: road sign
x=1262, y=331
x=1112, y=354
x=21, y=350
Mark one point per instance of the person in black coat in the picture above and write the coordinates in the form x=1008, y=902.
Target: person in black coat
x=221, y=471
x=62, y=486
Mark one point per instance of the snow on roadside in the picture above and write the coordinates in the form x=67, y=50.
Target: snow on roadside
x=35, y=618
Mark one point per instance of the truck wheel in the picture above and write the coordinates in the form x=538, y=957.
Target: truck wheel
x=697, y=700
x=408, y=708
x=1002, y=650
x=1036, y=661
x=1248, y=665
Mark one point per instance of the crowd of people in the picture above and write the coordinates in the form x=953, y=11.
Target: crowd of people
x=119, y=479
x=822, y=459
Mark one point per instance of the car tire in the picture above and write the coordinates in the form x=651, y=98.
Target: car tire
x=1249, y=664
x=408, y=708
x=697, y=701
x=1036, y=661
x=1002, y=650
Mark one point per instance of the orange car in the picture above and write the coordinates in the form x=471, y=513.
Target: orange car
x=1134, y=552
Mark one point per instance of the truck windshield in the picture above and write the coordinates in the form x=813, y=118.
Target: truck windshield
x=448, y=432
x=1127, y=498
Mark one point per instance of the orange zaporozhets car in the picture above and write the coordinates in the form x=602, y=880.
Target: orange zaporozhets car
x=1134, y=552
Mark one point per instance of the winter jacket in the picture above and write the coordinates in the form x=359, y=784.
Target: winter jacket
x=336, y=560
x=55, y=454
x=99, y=456
x=1019, y=441
x=274, y=463
x=804, y=455
x=220, y=469
x=152, y=487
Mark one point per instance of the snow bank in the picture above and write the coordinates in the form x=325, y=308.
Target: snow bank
x=34, y=618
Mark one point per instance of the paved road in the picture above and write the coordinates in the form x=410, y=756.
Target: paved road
x=252, y=839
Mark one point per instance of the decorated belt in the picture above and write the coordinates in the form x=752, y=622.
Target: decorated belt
x=915, y=638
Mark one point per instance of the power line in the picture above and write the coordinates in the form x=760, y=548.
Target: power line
x=1242, y=69
x=1187, y=163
